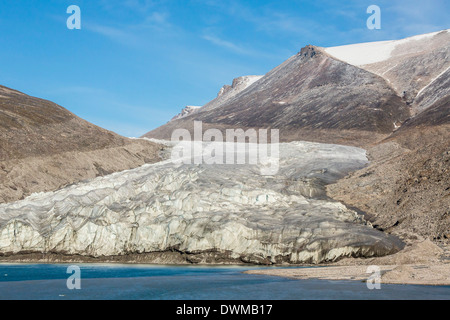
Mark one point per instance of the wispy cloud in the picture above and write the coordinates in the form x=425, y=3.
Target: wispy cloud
x=135, y=34
x=157, y=18
x=273, y=23
x=114, y=33
x=226, y=44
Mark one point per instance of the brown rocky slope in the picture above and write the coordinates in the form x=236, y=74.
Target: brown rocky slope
x=44, y=147
x=312, y=97
x=406, y=188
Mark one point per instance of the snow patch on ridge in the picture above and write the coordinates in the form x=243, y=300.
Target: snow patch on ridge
x=188, y=110
x=371, y=52
x=432, y=81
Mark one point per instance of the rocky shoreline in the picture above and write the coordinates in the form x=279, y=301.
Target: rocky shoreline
x=421, y=263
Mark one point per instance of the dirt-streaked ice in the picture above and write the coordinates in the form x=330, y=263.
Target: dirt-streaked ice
x=213, y=213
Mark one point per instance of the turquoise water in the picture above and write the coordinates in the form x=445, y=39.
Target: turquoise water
x=123, y=282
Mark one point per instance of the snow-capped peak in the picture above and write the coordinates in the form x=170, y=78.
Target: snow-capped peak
x=185, y=112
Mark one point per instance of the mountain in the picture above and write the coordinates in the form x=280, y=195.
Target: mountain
x=390, y=97
x=311, y=96
x=44, y=147
x=355, y=94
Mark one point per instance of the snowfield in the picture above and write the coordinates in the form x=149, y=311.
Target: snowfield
x=371, y=52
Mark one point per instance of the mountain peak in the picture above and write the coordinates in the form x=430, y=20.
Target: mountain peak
x=240, y=83
x=309, y=51
x=185, y=112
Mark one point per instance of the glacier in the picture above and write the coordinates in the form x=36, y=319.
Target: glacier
x=201, y=214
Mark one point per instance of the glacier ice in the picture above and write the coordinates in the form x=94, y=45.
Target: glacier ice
x=211, y=213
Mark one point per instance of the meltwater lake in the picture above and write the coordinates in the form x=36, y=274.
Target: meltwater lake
x=144, y=282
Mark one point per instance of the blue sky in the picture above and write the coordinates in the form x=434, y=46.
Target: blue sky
x=136, y=63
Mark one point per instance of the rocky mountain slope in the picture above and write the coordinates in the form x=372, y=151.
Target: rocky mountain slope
x=185, y=112
x=44, y=147
x=311, y=96
x=406, y=188
x=410, y=65
x=356, y=94
x=226, y=93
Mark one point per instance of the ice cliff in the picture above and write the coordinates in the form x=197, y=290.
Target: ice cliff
x=206, y=213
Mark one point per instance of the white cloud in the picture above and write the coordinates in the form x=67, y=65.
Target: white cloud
x=134, y=34
x=110, y=32
x=226, y=44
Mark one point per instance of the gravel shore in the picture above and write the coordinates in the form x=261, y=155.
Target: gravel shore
x=422, y=263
